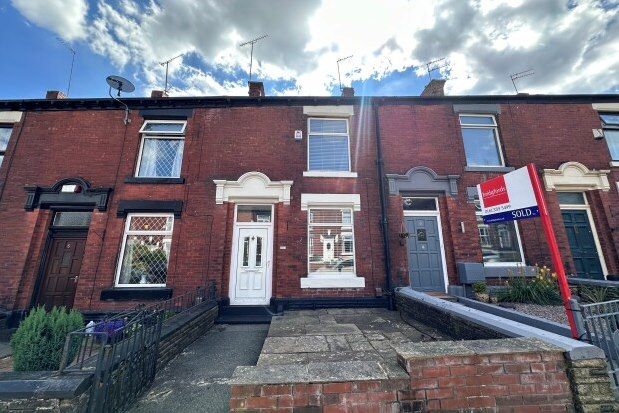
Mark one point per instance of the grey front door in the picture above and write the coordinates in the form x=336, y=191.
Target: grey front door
x=582, y=244
x=425, y=266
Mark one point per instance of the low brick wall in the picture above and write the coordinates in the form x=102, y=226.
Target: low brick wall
x=184, y=330
x=520, y=374
x=590, y=386
x=350, y=396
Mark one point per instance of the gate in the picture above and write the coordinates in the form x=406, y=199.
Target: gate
x=122, y=351
x=601, y=323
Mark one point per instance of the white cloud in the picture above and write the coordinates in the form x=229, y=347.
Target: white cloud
x=572, y=45
x=65, y=17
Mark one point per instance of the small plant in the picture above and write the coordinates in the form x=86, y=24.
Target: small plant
x=542, y=289
x=38, y=342
x=596, y=294
x=480, y=287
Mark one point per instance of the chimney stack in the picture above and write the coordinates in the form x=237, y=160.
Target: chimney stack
x=55, y=94
x=434, y=88
x=158, y=94
x=256, y=89
x=348, y=92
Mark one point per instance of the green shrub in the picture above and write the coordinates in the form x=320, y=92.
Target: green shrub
x=38, y=342
x=542, y=289
x=596, y=294
x=480, y=287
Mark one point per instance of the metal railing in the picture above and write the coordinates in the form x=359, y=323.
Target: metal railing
x=122, y=351
x=601, y=325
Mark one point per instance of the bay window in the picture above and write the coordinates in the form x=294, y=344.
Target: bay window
x=145, y=251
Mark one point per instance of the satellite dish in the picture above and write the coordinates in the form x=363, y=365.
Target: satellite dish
x=120, y=83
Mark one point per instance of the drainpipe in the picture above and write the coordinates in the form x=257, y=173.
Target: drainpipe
x=383, y=209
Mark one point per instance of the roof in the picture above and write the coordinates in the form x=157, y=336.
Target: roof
x=229, y=101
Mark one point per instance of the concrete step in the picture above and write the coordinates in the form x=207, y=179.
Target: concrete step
x=245, y=315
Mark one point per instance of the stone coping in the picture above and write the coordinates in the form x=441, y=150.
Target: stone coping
x=574, y=349
x=43, y=384
x=325, y=372
x=410, y=351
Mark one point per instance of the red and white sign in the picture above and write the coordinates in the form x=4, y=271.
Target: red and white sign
x=508, y=197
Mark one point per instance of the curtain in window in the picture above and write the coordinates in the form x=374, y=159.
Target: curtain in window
x=161, y=158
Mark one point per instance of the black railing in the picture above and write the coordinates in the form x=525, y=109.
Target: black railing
x=122, y=351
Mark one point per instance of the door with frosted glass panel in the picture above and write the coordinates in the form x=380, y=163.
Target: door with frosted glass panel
x=252, y=265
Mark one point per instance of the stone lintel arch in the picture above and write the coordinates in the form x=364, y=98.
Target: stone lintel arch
x=574, y=176
x=423, y=179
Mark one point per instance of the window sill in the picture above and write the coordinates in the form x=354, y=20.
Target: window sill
x=332, y=281
x=139, y=180
x=329, y=174
x=136, y=293
x=614, y=163
x=488, y=169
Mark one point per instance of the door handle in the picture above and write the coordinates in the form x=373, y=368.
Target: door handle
x=75, y=278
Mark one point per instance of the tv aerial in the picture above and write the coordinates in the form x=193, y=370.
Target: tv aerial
x=167, y=64
x=251, y=53
x=341, y=59
x=120, y=84
x=435, y=64
x=520, y=75
x=73, y=52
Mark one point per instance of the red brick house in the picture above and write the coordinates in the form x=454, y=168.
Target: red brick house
x=277, y=200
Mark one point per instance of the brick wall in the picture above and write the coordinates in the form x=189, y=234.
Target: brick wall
x=546, y=134
x=519, y=381
x=353, y=396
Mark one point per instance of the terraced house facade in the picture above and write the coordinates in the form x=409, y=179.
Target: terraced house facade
x=292, y=201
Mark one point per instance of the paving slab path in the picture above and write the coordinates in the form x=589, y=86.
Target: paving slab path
x=197, y=380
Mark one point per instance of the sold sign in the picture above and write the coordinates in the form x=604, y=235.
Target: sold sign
x=519, y=195
x=508, y=197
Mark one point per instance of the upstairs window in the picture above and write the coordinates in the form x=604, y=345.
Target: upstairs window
x=331, y=241
x=5, y=135
x=610, y=122
x=481, y=140
x=145, y=250
x=161, y=149
x=328, y=145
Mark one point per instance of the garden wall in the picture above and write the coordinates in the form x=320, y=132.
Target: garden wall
x=535, y=368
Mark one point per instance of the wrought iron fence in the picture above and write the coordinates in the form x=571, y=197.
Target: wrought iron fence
x=601, y=324
x=122, y=351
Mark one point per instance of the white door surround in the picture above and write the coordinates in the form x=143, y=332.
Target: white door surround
x=574, y=176
x=252, y=187
x=251, y=265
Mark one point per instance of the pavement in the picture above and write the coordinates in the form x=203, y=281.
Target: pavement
x=197, y=380
x=5, y=349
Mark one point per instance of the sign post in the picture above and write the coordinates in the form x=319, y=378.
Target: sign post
x=519, y=195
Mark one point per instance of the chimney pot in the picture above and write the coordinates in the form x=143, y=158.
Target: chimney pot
x=434, y=88
x=348, y=92
x=158, y=94
x=256, y=89
x=55, y=94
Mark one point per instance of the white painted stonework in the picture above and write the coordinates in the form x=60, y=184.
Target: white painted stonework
x=252, y=187
x=331, y=200
x=330, y=111
x=574, y=176
x=12, y=116
x=606, y=107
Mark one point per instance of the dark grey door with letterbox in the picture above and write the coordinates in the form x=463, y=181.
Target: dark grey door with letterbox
x=425, y=265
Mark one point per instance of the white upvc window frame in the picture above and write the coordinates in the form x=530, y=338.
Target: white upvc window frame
x=518, y=238
x=3, y=151
x=609, y=127
x=127, y=232
x=335, y=279
x=325, y=173
x=159, y=135
x=497, y=139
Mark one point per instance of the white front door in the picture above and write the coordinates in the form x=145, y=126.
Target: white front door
x=253, y=260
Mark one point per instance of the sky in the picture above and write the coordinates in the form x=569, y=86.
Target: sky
x=572, y=46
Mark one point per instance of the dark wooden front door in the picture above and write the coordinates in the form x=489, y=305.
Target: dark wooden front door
x=64, y=260
x=582, y=244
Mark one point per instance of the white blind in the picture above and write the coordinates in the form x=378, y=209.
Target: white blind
x=328, y=145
